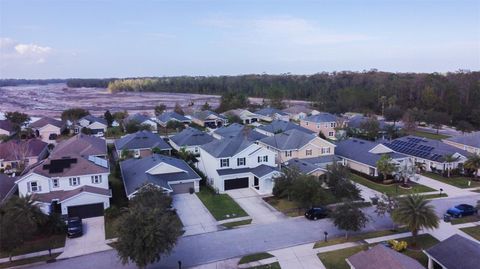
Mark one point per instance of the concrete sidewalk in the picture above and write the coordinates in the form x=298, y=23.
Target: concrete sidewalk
x=31, y=255
x=452, y=191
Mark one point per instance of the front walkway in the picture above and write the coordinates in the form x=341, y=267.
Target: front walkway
x=452, y=191
x=92, y=240
x=255, y=206
x=366, y=193
x=194, y=215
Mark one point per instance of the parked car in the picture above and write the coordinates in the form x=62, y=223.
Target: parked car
x=315, y=213
x=74, y=227
x=461, y=210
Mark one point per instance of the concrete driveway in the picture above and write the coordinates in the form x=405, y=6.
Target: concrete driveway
x=255, y=206
x=92, y=240
x=194, y=215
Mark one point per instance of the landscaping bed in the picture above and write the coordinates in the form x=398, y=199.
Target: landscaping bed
x=473, y=232
x=390, y=189
x=221, y=206
x=460, y=182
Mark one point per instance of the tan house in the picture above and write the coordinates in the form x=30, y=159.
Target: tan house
x=297, y=144
x=209, y=119
x=141, y=144
x=47, y=129
x=469, y=142
x=321, y=122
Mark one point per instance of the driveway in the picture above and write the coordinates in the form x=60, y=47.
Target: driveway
x=255, y=206
x=194, y=215
x=92, y=240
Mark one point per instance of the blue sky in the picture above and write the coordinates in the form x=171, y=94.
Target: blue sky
x=112, y=38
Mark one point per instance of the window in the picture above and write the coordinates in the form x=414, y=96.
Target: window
x=332, y=124
x=240, y=161
x=288, y=153
x=224, y=163
x=330, y=134
x=74, y=181
x=325, y=150
x=318, y=126
x=55, y=183
x=306, y=123
x=263, y=159
x=97, y=179
x=308, y=152
x=196, y=149
x=34, y=187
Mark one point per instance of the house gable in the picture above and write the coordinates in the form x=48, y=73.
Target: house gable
x=380, y=149
x=164, y=168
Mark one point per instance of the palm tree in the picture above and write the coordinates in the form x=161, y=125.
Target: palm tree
x=416, y=213
x=420, y=167
x=385, y=166
x=449, y=159
x=26, y=208
x=473, y=163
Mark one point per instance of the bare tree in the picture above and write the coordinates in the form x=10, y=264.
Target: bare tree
x=20, y=150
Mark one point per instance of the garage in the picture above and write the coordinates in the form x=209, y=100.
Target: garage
x=86, y=211
x=237, y=183
x=182, y=187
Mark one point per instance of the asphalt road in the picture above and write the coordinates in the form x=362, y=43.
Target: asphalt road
x=210, y=247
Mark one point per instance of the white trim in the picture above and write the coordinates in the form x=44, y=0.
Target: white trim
x=85, y=192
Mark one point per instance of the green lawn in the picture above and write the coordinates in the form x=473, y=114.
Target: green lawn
x=390, y=189
x=424, y=241
x=430, y=135
x=358, y=237
x=255, y=257
x=274, y=265
x=436, y=195
x=289, y=208
x=221, y=206
x=336, y=259
x=473, y=232
x=234, y=224
x=466, y=219
x=460, y=182
x=28, y=261
x=39, y=244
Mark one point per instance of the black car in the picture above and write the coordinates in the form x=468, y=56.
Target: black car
x=74, y=227
x=462, y=210
x=315, y=213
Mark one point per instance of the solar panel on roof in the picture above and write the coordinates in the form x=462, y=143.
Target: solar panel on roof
x=57, y=166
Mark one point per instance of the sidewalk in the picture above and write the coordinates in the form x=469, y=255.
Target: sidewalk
x=452, y=191
x=31, y=255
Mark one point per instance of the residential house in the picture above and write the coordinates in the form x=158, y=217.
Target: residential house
x=429, y=152
x=190, y=139
x=469, y=142
x=47, y=129
x=15, y=155
x=297, y=144
x=143, y=120
x=245, y=116
x=315, y=166
x=166, y=117
x=322, y=122
x=280, y=126
x=355, y=122
x=6, y=128
x=235, y=129
x=297, y=112
x=362, y=155
x=236, y=163
x=83, y=145
x=98, y=126
x=173, y=175
x=71, y=185
x=7, y=187
x=455, y=252
x=269, y=114
x=382, y=257
x=209, y=119
x=141, y=144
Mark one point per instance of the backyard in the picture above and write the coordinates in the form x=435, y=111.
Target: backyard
x=221, y=206
x=391, y=189
x=460, y=182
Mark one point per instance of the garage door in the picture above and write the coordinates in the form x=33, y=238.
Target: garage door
x=86, y=211
x=237, y=183
x=182, y=187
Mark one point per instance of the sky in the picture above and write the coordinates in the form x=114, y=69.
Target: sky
x=115, y=38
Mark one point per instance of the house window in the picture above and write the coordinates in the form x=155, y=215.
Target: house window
x=240, y=161
x=74, y=181
x=325, y=150
x=196, y=149
x=308, y=152
x=330, y=134
x=332, y=124
x=306, y=123
x=265, y=159
x=55, y=183
x=97, y=179
x=326, y=125
x=136, y=153
x=224, y=163
x=318, y=126
x=288, y=153
x=34, y=187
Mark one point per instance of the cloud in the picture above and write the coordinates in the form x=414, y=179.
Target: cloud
x=16, y=52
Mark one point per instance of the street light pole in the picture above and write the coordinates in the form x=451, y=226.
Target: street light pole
x=326, y=235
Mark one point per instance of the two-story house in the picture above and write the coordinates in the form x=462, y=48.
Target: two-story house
x=235, y=163
x=324, y=123
x=141, y=144
x=98, y=126
x=297, y=144
x=280, y=126
x=190, y=139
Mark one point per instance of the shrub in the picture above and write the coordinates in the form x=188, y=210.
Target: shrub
x=398, y=245
x=112, y=212
x=191, y=190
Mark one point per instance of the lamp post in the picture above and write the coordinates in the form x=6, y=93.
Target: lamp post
x=441, y=191
x=326, y=235
x=179, y=264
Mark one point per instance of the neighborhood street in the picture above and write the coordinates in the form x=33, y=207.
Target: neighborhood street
x=215, y=246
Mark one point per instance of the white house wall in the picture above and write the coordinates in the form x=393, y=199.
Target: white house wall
x=85, y=198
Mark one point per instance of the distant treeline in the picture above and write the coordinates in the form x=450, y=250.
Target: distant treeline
x=17, y=82
x=89, y=83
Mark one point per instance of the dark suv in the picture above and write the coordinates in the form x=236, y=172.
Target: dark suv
x=462, y=210
x=315, y=213
x=74, y=227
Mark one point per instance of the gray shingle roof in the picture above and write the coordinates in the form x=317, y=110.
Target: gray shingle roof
x=289, y=140
x=472, y=139
x=357, y=120
x=9, y=151
x=424, y=148
x=7, y=186
x=456, y=252
x=258, y=171
x=226, y=147
x=6, y=125
x=269, y=111
x=84, y=145
x=64, y=195
x=279, y=126
x=202, y=115
x=92, y=119
x=381, y=257
x=141, y=140
x=357, y=150
x=296, y=109
x=191, y=137
x=140, y=118
x=134, y=176
x=302, y=166
x=172, y=115
x=45, y=121
x=321, y=117
x=236, y=129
